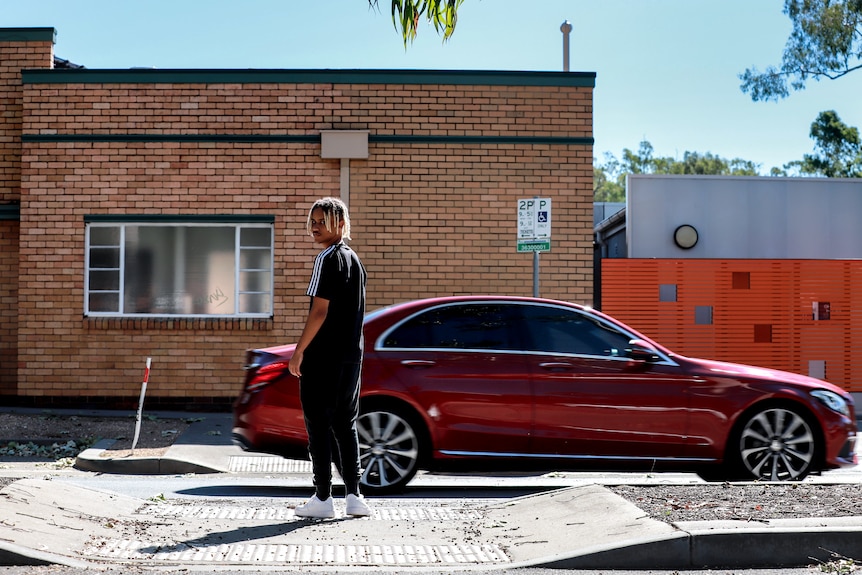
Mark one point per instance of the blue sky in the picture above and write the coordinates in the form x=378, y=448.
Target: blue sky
x=667, y=70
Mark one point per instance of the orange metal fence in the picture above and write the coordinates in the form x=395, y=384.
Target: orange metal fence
x=803, y=316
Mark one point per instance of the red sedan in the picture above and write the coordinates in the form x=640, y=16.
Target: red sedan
x=511, y=380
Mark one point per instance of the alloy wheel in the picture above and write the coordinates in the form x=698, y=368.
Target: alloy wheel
x=388, y=450
x=777, y=444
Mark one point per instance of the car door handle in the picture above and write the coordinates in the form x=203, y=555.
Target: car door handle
x=556, y=365
x=418, y=363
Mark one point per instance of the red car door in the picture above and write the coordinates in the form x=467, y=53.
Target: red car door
x=592, y=402
x=462, y=365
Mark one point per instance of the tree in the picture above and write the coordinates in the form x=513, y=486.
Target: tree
x=826, y=42
x=838, y=149
x=606, y=189
x=694, y=163
x=406, y=14
x=609, y=179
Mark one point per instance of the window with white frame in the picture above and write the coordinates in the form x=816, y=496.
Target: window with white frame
x=187, y=267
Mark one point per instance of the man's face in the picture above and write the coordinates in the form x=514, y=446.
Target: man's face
x=319, y=232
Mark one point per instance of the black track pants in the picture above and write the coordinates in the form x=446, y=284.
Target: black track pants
x=330, y=403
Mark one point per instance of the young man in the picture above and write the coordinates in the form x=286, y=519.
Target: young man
x=328, y=359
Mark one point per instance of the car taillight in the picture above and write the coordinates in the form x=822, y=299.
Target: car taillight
x=266, y=375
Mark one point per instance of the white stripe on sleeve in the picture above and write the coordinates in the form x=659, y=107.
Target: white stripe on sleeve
x=316, y=273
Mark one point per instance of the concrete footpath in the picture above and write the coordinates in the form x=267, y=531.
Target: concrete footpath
x=584, y=526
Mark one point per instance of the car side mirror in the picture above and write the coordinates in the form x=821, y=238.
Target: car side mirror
x=639, y=350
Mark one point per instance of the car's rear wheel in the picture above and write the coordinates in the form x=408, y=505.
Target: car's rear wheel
x=390, y=448
x=774, y=443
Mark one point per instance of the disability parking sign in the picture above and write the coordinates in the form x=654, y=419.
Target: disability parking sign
x=534, y=224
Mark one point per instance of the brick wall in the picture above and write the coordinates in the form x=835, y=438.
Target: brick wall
x=19, y=49
x=436, y=220
x=8, y=307
x=433, y=207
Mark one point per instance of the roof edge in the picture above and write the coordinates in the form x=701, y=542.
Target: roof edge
x=28, y=35
x=294, y=76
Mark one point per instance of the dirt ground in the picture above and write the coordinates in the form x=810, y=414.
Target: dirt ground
x=155, y=433
x=744, y=501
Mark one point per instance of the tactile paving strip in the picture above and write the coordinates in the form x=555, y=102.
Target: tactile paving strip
x=129, y=549
x=267, y=464
x=284, y=513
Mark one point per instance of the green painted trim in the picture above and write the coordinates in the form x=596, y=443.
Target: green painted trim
x=191, y=76
x=180, y=219
x=553, y=140
x=309, y=139
x=10, y=212
x=28, y=35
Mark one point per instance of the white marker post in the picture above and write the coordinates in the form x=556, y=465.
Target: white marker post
x=141, y=404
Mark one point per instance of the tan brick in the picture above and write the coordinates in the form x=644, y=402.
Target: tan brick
x=428, y=218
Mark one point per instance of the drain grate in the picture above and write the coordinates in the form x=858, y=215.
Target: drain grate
x=282, y=513
x=129, y=549
x=267, y=464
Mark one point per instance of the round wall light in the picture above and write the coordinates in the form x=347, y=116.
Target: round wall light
x=685, y=236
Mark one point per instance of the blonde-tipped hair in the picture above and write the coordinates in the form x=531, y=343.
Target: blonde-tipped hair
x=334, y=211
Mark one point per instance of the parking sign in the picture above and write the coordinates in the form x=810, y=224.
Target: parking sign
x=534, y=224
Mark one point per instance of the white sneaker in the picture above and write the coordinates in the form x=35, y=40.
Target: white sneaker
x=316, y=508
x=356, y=506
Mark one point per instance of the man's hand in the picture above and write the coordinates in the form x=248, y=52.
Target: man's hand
x=295, y=363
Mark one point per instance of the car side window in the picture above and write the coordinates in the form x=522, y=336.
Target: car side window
x=468, y=326
x=557, y=330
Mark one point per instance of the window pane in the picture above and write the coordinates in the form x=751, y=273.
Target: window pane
x=255, y=237
x=180, y=270
x=105, y=258
x=556, y=330
x=104, y=302
x=100, y=236
x=138, y=279
x=460, y=327
x=255, y=303
x=104, y=281
x=254, y=259
x=254, y=281
x=211, y=270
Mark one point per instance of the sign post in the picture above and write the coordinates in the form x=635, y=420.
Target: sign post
x=534, y=231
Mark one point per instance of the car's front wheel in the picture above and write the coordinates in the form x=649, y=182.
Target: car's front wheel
x=390, y=448
x=774, y=443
